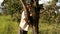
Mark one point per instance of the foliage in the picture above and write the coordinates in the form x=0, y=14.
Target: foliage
x=7, y=26
x=49, y=15
x=13, y=6
x=55, y=0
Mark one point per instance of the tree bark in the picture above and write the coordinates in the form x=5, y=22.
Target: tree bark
x=35, y=28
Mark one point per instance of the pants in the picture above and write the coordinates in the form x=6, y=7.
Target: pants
x=21, y=31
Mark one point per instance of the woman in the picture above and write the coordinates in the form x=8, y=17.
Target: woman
x=23, y=23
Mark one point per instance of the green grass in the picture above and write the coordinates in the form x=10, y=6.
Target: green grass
x=7, y=26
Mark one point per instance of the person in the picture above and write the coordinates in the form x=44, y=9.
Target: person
x=23, y=23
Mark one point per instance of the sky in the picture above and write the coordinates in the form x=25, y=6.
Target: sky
x=1, y=2
x=58, y=3
x=44, y=1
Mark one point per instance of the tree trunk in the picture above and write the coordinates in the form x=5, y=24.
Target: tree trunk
x=36, y=17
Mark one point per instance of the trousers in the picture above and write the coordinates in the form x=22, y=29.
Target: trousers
x=21, y=31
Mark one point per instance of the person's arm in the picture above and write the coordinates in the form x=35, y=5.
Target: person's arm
x=32, y=14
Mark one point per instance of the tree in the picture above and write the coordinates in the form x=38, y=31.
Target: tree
x=13, y=6
x=35, y=6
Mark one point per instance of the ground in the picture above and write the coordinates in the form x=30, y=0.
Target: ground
x=7, y=26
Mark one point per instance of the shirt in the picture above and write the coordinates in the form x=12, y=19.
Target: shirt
x=23, y=23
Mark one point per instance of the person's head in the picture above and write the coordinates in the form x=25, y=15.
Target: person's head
x=29, y=7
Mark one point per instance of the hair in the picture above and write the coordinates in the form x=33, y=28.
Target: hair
x=28, y=6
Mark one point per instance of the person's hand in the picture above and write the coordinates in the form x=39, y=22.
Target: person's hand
x=26, y=19
x=31, y=14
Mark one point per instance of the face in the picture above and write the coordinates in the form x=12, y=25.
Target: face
x=29, y=7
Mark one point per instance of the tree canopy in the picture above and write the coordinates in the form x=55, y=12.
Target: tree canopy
x=13, y=6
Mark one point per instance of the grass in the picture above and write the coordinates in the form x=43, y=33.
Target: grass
x=7, y=26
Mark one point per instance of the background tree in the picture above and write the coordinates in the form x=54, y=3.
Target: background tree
x=14, y=8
